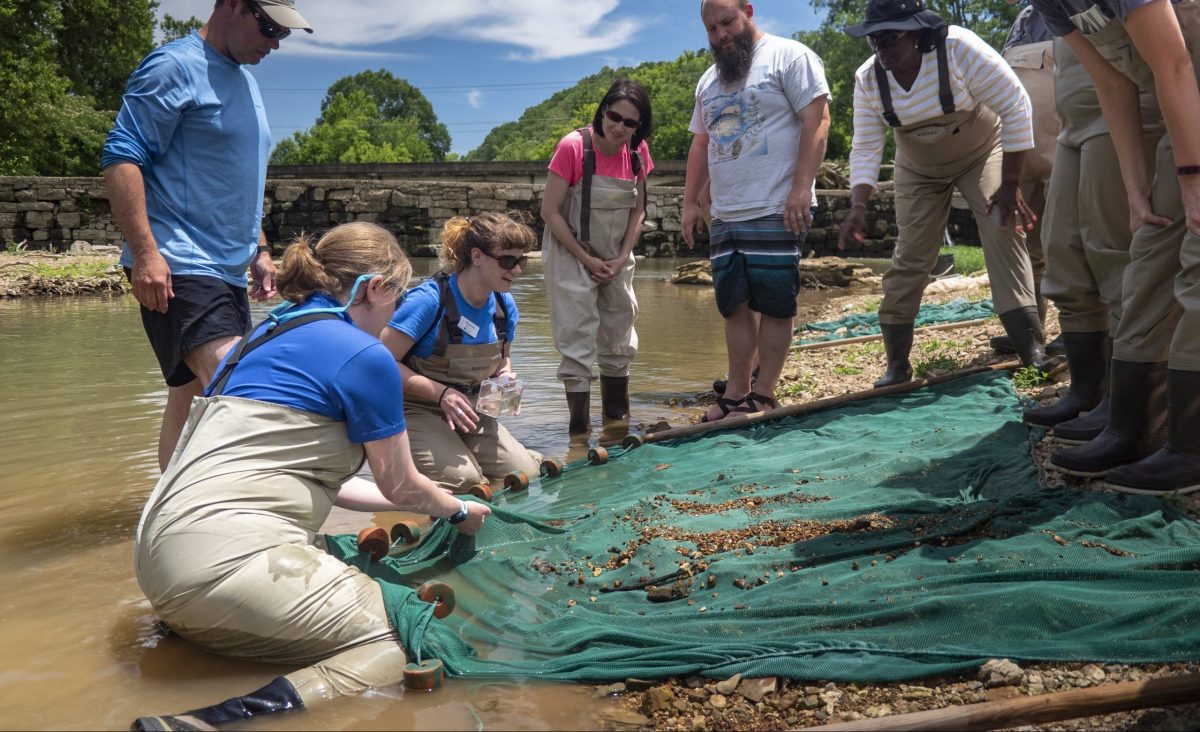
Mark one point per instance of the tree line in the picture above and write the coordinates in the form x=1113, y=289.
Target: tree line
x=62, y=76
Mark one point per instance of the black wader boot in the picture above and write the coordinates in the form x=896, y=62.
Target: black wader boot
x=1025, y=330
x=579, y=405
x=897, y=341
x=1087, y=360
x=614, y=397
x=277, y=696
x=1136, y=422
x=1056, y=347
x=1176, y=467
x=1087, y=426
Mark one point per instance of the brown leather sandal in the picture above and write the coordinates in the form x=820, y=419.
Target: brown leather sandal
x=750, y=404
x=727, y=407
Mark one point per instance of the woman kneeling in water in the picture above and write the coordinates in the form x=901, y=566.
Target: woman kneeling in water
x=227, y=550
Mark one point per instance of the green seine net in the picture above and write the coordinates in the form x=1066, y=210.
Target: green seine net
x=887, y=539
x=865, y=324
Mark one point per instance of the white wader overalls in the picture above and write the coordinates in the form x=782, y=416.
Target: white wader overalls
x=448, y=457
x=592, y=323
x=956, y=150
x=229, y=555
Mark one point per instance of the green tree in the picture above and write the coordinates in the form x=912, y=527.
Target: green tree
x=670, y=84
x=396, y=100
x=173, y=28
x=100, y=69
x=351, y=130
x=44, y=128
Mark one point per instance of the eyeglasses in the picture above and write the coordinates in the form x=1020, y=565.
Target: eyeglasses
x=269, y=29
x=508, y=261
x=617, y=119
x=885, y=40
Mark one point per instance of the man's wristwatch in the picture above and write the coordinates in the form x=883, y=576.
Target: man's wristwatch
x=459, y=516
x=263, y=248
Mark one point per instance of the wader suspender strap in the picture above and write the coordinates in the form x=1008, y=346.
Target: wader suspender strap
x=589, y=170
x=447, y=318
x=247, y=345
x=945, y=94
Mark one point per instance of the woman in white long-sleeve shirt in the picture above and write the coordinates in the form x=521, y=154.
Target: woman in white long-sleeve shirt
x=962, y=121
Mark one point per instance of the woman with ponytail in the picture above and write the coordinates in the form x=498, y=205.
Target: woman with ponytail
x=449, y=334
x=228, y=550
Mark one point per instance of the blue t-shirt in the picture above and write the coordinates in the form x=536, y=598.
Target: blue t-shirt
x=419, y=315
x=194, y=122
x=329, y=367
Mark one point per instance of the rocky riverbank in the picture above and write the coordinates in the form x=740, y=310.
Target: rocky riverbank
x=24, y=274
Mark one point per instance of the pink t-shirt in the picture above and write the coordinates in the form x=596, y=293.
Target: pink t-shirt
x=567, y=161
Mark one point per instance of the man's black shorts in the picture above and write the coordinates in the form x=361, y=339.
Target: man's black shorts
x=203, y=309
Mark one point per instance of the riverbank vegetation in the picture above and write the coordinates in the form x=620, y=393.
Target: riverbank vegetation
x=39, y=273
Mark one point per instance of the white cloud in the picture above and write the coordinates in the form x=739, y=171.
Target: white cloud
x=542, y=30
x=475, y=99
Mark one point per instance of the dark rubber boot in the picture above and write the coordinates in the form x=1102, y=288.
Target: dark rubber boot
x=277, y=696
x=1137, y=420
x=614, y=397
x=1025, y=330
x=1084, y=428
x=1004, y=344
x=1087, y=359
x=897, y=340
x=1176, y=467
x=579, y=405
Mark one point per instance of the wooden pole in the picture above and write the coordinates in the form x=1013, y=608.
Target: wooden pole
x=739, y=421
x=1160, y=692
x=878, y=336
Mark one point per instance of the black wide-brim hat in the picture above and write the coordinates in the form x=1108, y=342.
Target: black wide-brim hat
x=901, y=15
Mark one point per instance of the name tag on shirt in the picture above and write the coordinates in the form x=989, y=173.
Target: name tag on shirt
x=468, y=327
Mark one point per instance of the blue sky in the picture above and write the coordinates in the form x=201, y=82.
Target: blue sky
x=480, y=62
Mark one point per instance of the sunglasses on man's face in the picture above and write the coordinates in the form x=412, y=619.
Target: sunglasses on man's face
x=617, y=119
x=885, y=40
x=508, y=261
x=269, y=30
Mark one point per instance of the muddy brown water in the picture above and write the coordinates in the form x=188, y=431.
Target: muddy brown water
x=80, y=401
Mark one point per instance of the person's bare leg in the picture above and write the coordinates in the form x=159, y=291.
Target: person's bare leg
x=774, y=343
x=203, y=361
x=741, y=338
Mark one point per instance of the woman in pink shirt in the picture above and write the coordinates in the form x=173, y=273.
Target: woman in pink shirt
x=594, y=206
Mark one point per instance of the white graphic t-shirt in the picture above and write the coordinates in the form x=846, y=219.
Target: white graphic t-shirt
x=753, y=128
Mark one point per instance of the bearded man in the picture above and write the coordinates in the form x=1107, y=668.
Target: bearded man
x=760, y=126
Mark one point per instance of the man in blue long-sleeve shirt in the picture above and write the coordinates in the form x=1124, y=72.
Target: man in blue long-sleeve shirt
x=185, y=167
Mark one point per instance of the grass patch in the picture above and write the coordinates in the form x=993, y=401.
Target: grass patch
x=968, y=260
x=73, y=270
x=805, y=384
x=925, y=368
x=858, y=351
x=844, y=370
x=1029, y=377
x=871, y=305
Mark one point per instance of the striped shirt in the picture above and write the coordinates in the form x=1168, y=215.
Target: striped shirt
x=978, y=75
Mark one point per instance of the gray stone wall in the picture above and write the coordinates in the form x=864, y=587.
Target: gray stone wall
x=44, y=213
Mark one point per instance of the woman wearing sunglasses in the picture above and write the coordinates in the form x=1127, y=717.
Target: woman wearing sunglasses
x=449, y=334
x=961, y=121
x=228, y=550
x=594, y=206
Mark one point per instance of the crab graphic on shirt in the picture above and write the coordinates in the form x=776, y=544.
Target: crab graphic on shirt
x=735, y=125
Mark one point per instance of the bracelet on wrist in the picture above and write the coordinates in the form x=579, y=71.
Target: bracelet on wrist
x=263, y=248
x=1183, y=170
x=459, y=516
x=442, y=395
